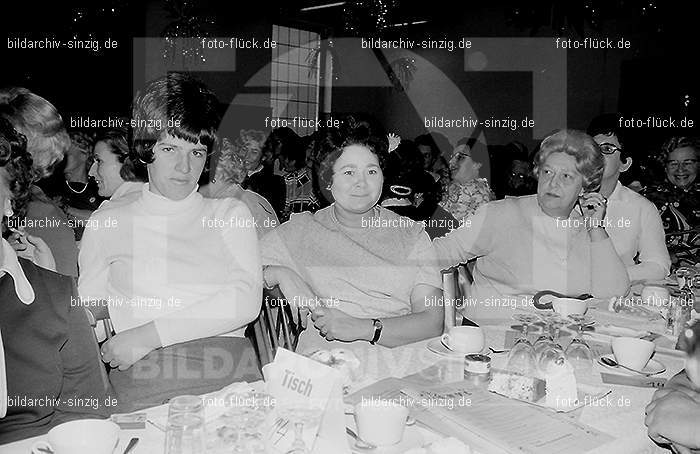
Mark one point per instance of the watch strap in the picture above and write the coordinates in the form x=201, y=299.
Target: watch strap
x=377, y=330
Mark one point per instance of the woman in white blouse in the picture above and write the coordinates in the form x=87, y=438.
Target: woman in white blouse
x=180, y=274
x=554, y=240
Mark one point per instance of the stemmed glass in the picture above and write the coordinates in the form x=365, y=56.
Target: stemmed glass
x=550, y=350
x=521, y=358
x=238, y=415
x=578, y=353
x=300, y=414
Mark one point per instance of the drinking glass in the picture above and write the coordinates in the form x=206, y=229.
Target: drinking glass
x=184, y=434
x=300, y=414
x=545, y=338
x=578, y=353
x=184, y=431
x=186, y=404
x=551, y=351
x=521, y=358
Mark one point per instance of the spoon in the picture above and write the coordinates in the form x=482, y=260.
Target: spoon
x=498, y=351
x=359, y=442
x=612, y=363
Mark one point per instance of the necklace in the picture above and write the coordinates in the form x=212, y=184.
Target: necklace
x=74, y=191
x=375, y=214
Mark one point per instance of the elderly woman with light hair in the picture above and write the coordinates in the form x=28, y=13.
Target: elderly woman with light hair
x=229, y=173
x=554, y=240
x=47, y=143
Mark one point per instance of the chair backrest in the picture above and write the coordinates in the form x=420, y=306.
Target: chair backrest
x=274, y=327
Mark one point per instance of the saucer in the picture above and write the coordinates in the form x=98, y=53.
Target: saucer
x=653, y=367
x=412, y=438
x=438, y=347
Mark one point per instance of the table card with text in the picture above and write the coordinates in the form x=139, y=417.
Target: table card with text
x=309, y=402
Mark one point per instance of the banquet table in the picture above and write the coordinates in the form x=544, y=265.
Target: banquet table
x=620, y=414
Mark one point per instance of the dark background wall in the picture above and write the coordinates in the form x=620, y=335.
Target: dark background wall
x=650, y=78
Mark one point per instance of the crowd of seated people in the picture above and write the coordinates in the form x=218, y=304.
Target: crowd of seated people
x=47, y=142
x=180, y=269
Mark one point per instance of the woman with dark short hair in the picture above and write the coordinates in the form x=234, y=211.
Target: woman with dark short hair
x=180, y=274
x=554, y=240
x=678, y=197
x=373, y=268
x=116, y=174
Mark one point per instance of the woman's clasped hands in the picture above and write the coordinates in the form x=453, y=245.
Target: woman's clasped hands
x=127, y=347
x=334, y=324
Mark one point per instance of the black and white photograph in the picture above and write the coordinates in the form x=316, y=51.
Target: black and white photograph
x=363, y=226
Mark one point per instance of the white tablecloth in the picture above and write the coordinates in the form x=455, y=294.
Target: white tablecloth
x=621, y=414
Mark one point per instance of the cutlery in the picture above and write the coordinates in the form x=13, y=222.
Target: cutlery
x=612, y=363
x=498, y=351
x=133, y=442
x=359, y=442
x=46, y=450
x=156, y=425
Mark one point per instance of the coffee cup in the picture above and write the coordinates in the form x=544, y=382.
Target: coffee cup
x=632, y=352
x=464, y=339
x=569, y=306
x=381, y=422
x=85, y=436
x=655, y=295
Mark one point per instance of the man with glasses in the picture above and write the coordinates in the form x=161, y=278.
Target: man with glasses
x=636, y=229
x=678, y=198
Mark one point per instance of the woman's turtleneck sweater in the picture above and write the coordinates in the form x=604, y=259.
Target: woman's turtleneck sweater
x=192, y=266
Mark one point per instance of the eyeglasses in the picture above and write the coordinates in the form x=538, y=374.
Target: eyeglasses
x=608, y=148
x=675, y=165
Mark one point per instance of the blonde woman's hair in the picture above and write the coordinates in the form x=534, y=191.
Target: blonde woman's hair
x=40, y=122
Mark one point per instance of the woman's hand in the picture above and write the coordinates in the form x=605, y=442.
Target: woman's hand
x=127, y=347
x=673, y=419
x=32, y=248
x=593, y=206
x=334, y=324
x=297, y=292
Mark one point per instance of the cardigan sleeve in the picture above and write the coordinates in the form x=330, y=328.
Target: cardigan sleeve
x=473, y=239
x=85, y=384
x=234, y=305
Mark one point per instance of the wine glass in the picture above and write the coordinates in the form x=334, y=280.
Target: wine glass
x=521, y=358
x=300, y=414
x=578, y=353
x=545, y=338
x=552, y=350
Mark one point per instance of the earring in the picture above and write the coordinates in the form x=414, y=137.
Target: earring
x=328, y=187
x=213, y=180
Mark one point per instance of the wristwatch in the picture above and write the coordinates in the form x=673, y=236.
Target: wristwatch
x=378, y=325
